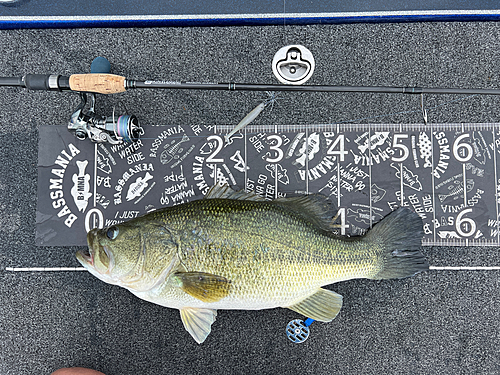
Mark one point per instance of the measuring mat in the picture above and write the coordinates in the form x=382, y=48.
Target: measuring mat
x=447, y=173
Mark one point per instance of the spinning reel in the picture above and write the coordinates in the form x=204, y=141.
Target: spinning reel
x=101, y=129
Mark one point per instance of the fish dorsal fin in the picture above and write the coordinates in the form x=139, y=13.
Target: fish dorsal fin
x=198, y=322
x=225, y=192
x=203, y=286
x=324, y=305
x=316, y=208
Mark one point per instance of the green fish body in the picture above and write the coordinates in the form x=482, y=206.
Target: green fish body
x=234, y=250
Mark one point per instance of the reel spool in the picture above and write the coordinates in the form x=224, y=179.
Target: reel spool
x=103, y=129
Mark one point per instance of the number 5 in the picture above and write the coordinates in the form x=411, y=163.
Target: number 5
x=404, y=150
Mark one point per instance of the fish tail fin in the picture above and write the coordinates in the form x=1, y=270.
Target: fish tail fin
x=399, y=236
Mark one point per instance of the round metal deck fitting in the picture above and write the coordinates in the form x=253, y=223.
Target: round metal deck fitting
x=293, y=64
x=297, y=331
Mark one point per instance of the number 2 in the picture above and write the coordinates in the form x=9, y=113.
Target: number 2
x=220, y=144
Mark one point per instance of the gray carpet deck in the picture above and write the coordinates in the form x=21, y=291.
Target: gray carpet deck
x=440, y=322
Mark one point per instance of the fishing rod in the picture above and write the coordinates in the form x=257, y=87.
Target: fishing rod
x=125, y=128
x=113, y=84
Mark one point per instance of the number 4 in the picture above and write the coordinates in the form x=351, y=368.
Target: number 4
x=341, y=152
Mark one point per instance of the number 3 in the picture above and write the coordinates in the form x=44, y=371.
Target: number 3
x=276, y=148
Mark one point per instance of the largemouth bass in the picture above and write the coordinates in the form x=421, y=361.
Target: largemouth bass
x=235, y=250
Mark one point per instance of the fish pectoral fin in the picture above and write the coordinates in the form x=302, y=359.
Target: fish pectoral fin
x=198, y=322
x=324, y=305
x=204, y=286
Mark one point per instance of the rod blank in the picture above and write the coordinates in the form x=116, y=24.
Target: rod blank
x=310, y=88
x=111, y=84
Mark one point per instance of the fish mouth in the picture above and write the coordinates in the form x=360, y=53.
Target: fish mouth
x=85, y=257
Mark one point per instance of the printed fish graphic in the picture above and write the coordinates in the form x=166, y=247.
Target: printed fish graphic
x=81, y=186
x=235, y=250
x=457, y=190
x=172, y=150
x=425, y=146
x=138, y=186
x=377, y=193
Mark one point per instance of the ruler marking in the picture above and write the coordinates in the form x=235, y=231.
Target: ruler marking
x=95, y=178
x=307, y=160
x=401, y=183
x=276, y=168
x=370, y=172
x=433, y=186
x=464, y=176
x=215, y=165
x=246, y=159
x=95, y=219
x=496, y=182
x=338, y=184
x=338, y=174
x=275, y=180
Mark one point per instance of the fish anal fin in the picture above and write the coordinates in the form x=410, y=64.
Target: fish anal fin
x=203, y=286
x=198, y=322
x=324, y=305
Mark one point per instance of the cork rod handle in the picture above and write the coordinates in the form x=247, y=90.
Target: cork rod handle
x=100, y=83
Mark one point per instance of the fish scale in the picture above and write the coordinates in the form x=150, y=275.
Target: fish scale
x=264, y=261
x=235, y=250
x=305, y=252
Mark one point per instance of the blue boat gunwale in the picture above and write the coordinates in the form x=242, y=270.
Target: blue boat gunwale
x=38, y=22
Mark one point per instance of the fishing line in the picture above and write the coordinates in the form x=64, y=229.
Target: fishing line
x=77, y=269
x=405, y=112
x=284, y=22
x=44, y=269
x=339, y=122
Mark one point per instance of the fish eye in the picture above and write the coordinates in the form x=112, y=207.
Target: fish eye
x=112, y=233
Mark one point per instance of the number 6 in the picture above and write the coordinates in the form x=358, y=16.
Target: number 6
x=460, y=221
x=466, y=146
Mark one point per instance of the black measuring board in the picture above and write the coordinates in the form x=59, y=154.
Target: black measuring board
x=447, y=173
